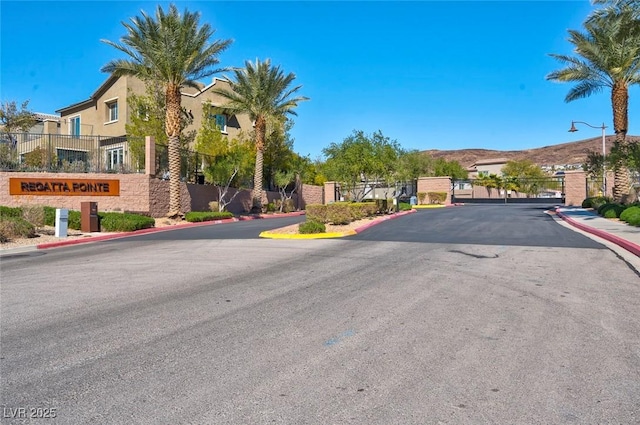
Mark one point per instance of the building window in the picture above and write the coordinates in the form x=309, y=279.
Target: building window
x=69, y=156
x=221, y=122
x=115, y=158
x=112, y=111
x=74, y=126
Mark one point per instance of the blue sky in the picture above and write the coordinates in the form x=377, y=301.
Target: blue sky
x=429, y=74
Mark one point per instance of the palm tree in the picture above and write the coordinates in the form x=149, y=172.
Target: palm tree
x=608, y=56
x=173, y=51
x=263, y=92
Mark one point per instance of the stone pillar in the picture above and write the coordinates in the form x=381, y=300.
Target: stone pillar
x=329, y=192
x=575, y=187
x=51, y=127
x=149, y=156
x=435, y=184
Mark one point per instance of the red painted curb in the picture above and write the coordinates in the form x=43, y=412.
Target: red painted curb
x=161, y=229
x=629, y=246
x=385, y=218
x=134, y=233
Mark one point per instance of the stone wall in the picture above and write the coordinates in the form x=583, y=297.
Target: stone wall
x=435, y=184
x=134, y=192
x=311, y=195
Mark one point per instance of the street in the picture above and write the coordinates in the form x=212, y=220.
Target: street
x=469, y=315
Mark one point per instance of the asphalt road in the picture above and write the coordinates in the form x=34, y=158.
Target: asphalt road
x=449, y=327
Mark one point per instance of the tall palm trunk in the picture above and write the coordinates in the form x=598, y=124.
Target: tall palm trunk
x=620, y=103
x=261, y=131
x=172, y=128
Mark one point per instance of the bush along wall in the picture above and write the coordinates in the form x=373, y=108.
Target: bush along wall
x=437, y=197
x=629, y=214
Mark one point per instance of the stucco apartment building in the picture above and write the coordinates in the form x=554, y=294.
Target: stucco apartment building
x=487, y=167
x=101, y=118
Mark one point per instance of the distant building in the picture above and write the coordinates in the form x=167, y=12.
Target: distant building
x=485, y=167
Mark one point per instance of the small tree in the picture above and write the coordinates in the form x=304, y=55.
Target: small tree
x=227, y=163
x=232, y=169
x=13, y=120
x=283, y=180
x=148, y=118
x=362, y=161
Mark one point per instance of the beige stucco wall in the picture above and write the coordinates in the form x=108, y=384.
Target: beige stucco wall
x=94, y=113
x=194, y=100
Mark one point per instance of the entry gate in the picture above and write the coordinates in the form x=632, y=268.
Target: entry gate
x=509, y=191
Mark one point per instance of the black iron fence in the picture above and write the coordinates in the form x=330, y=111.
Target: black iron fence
x=509, y=190
x=67, y=153
x=191, y=164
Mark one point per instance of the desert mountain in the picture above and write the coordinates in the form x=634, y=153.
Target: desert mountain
x=562, y=154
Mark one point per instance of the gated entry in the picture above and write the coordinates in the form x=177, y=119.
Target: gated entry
x=509, y=190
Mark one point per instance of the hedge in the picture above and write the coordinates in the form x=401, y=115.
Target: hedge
x=595, y=202
x=437, y=197
x=124, y=222
x=316, y=212
x=611, y=210
x=10, y=212
x=200, y=216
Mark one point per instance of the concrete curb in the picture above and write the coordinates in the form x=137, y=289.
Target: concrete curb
x=629, y=246
x=426, y=207
x=333, y=235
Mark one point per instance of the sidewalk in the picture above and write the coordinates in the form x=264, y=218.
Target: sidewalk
x=622, y=234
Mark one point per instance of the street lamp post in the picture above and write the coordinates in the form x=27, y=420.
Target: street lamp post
x=573, y=129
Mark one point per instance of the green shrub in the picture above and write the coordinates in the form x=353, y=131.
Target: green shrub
x=403, y=206
x=611, y=210
x=124, y=222
x=421, y=197
x=214, y=206
x=74, y=220
x=199, y=216
x=437, y=197
x=317, y=212
x=339, y=213
x=311, y=226
x=631, y=215
x=10, y=212
x=595, y=202
x=49, y=216
x=360, y=210
x=15, y=227
x=271, y=207
x=357, y=210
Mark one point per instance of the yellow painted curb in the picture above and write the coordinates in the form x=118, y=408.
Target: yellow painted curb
x=270, y=235
x=428, y=206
